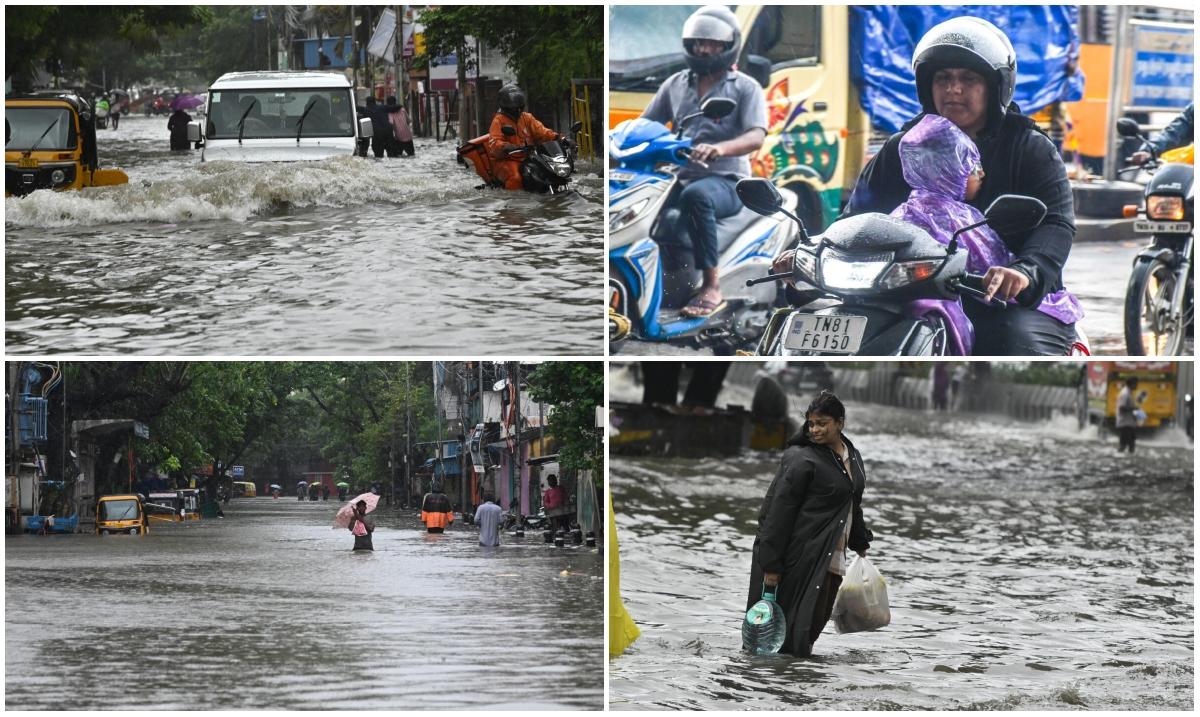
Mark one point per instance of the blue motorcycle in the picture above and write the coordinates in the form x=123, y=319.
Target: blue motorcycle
x=652, y=273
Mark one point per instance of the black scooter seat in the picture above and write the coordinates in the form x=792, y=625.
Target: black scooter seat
x=731, y=227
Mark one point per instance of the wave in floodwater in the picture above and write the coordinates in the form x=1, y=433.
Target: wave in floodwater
x=1029, y=567
x=236, y=191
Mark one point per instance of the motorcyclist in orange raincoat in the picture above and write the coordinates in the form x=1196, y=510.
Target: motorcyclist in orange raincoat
x=436, y=511
x=507, y=168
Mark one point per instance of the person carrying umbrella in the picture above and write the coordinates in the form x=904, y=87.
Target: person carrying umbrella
x=353, y=516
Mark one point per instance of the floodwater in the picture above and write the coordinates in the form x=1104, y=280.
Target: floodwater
x=342, y=256
x=1029, y=566
x=268, y=608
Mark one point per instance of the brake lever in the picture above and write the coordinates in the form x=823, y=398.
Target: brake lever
x=961, y=287
x=769, y=277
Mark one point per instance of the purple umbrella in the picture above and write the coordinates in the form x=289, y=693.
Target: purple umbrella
x=186, y=102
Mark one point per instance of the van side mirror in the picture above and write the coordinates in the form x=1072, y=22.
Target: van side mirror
x=508, y=130
x=759, y=68
x=193, y=131
x=1013, y=213
x=1127, y=127
x=718, y=107
x=759, y=195
x=365, y=130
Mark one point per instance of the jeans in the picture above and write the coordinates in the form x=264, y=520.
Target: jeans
x=1017, y=331
x=702, y=203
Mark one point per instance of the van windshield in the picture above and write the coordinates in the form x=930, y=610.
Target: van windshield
x=23, y=126
x=276, y=113
x=119, y=510
x=644, y=46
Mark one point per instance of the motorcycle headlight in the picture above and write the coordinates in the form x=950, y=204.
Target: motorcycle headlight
x=839, y=271
x=1159, y=207
x=805, y=265
x=627, y=216
x=909, y=272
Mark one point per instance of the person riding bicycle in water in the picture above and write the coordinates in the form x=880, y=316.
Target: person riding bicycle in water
x=942, y=165
x=966, y=71
x=529, y=131
x=1179, y=133
x=712, y=40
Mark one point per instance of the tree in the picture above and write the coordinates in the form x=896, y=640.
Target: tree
x=575, y=389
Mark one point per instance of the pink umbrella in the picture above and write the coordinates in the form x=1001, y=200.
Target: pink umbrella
x=342, y=519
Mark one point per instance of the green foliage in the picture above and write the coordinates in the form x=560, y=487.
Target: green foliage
x=575, y=389
x=546, y=45
x=100, y=40
x=1041, y=373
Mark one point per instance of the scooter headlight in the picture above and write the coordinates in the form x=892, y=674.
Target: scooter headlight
x=1160, y=207
x=627, y=216
x=805, y=265
x=909, y=272
x=839, y=271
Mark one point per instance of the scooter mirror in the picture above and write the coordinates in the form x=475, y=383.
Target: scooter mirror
x=759, y=195
x=1013, y=213
x=508, y=130
x=718, y=107
x=1126, y=127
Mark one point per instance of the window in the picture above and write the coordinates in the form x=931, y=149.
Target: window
x=25, y=126
x=787, y=35
x=276, y=113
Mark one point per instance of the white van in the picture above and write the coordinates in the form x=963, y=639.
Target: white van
x=280, y=117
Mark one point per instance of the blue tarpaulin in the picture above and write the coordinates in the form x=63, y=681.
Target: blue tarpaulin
x=882, y=39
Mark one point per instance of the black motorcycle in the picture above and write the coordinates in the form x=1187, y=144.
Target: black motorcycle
x=1158, y=300
x=876, y=284
x=547, y=167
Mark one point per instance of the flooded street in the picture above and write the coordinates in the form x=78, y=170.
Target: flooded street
x=1029, y=566
x=269, y=609
x=341, y=256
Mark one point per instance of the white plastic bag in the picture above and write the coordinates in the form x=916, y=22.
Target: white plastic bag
x=862, y=601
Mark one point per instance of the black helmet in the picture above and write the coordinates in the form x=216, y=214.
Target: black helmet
x=974, y=44
x=511, y=98
x=712, y=22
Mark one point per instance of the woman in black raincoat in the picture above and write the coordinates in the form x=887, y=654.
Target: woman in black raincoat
x=802, y=526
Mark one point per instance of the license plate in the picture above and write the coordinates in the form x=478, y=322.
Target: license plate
x=27, y=163
x=826, y=334
x=1147, y=227
x=621, y=176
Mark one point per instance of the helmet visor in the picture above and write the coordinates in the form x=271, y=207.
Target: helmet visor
x=706, y=27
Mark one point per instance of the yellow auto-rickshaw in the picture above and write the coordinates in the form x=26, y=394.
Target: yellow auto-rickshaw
x=244, y=489
x=121, y=514
x=50, y=143
x=1155, y=394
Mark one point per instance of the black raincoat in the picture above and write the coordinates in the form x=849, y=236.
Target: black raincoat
x=801, y=518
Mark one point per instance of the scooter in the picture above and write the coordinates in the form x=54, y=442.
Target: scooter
x=545, y=168
x=652, y=274
x=1160, y=295
x=894, y=288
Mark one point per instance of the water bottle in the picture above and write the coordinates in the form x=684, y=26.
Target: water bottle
x=765, y=628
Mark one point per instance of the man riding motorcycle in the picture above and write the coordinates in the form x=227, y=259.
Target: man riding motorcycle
x=966, y=71
x=529, y=130
x=1180, y=132
x=712, y=40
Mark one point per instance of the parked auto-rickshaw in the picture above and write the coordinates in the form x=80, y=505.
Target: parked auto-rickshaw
x=244, y=489
x=50, y=143
x=1155, y=394
x=121, y=514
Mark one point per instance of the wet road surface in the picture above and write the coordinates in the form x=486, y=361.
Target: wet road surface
x=1029, y=566
x=342, y=256
x=269, y=609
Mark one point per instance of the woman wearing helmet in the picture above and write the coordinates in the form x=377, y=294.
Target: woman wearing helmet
x=966, y=71
x=529, y=131
x=712, y=40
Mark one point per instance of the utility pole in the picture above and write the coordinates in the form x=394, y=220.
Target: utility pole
x=353, y=52
x=407, y=433
x=517, y=457
x=479, y=128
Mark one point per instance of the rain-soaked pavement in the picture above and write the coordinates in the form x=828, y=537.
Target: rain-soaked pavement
x=269, y=609
x=342, y=256
x=1029, y=566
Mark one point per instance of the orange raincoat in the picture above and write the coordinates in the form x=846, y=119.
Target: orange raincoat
x=436, y=511
x=529, y=131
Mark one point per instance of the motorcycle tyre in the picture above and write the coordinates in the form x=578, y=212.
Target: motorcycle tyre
x=1135, y=295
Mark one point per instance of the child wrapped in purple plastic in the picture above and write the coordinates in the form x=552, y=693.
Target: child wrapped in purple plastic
x=942, y=166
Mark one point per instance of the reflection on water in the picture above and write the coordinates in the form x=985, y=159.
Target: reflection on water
x=269, y=608
x=1028, y=567
x=339, y=256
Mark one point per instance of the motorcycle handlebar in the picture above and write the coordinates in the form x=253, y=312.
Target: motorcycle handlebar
x=976, y=289
x=769, y=277
x=686, y=153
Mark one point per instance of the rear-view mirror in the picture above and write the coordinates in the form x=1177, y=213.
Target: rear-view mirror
x=1126, y=127
x=1014, y=213
x=759, y=195
x=718, y=107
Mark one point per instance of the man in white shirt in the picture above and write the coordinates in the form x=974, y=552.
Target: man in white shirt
x=487, y=517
